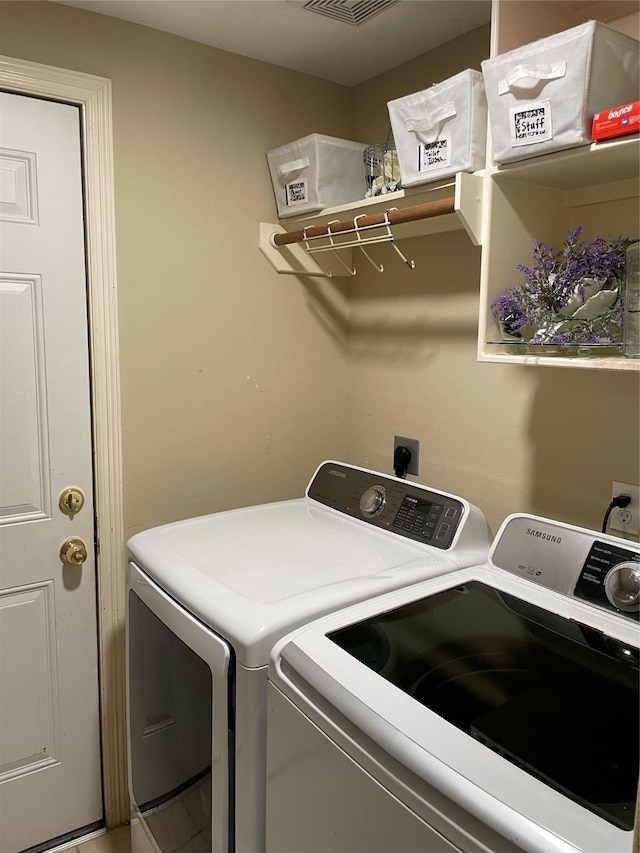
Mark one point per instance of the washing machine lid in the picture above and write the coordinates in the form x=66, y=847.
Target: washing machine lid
x=254, y=574
x=491, y=766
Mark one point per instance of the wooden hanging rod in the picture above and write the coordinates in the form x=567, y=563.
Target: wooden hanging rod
x=397, y=216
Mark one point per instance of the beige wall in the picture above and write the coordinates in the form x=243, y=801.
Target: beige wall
x=237, y=382
x=233, y=378
x=508, y=438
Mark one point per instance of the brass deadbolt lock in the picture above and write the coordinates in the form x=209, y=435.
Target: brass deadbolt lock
x=71, y=501
x=73, y=552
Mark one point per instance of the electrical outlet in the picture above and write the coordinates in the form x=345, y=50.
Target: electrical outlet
x=626, y=520
x=413, y=445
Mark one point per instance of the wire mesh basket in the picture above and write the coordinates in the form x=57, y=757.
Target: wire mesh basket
x=382, y=170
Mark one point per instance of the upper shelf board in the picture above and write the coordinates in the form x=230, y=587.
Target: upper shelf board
x=575, y=168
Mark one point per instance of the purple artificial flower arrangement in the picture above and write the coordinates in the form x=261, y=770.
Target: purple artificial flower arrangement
x=572, y=296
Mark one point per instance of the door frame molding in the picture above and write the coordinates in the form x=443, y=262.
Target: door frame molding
x=93, y=96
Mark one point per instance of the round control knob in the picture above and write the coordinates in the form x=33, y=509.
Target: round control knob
x=622, y=586
x=373, y=500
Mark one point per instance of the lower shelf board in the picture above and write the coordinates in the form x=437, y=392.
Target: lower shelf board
x=589, y=357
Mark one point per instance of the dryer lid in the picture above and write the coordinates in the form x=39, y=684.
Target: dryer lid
x=253, y=574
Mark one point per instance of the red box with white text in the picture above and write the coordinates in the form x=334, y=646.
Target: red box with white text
x=618, y=121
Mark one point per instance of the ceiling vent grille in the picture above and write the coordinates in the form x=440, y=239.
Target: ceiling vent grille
x=354, y=12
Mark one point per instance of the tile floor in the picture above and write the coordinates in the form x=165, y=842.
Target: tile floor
x=183, y=825
x=115, y=841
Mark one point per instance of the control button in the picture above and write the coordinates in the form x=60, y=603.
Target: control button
x=450, y=512
x=442, y=531
x=622, y=586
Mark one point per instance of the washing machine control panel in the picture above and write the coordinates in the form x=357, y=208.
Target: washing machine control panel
x=601, y=570
x=610, y=578
x=407, y=509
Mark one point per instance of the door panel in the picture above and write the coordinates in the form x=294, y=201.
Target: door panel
x=50, y=780
x=30, y=733
x=24, y=472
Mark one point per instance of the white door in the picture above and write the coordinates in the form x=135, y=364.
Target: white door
x=50, y=779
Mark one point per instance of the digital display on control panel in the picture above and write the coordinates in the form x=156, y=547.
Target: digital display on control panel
x=428, y=519
x=408, y=510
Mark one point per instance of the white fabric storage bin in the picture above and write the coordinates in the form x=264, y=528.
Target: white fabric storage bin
x=316, y=171
x=441, y=130
x=542, y=96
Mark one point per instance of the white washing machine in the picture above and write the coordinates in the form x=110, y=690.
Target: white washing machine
x=206, y=600
x=494, y=709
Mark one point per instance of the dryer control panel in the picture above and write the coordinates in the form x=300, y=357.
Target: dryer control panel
x=408, y=509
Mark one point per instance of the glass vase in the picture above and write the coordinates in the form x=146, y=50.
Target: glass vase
x=631, y=317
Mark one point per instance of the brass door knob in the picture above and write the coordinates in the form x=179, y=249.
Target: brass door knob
x=73, y=552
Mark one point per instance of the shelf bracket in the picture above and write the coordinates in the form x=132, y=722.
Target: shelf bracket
x=292, y=259
x=469, y=191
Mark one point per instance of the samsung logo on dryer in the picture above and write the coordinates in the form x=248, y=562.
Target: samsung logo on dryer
x=540, y=534
x=337, y=473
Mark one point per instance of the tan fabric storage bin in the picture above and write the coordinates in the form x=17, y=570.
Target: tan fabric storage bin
x=441, y=130
x=542, y=96
x=316, y=171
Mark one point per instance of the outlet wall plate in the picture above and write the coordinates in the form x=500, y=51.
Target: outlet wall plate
x=626, y=520
x=411, y=444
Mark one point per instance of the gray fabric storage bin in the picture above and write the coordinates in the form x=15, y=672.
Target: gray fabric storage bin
x=315, y=172
x=441, y=130
x=542, y=96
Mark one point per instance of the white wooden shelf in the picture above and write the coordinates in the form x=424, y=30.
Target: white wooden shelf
x=503, y=208
x=594, y=362
x=542, y=198
x=600, y=163
x=465, y=190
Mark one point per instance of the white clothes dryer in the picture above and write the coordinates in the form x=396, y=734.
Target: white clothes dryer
x=207, y=598
x=494, y=709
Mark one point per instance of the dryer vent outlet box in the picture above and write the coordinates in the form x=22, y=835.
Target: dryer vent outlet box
x=411, y=444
